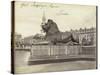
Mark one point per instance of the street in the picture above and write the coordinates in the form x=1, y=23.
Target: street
x=22, y=58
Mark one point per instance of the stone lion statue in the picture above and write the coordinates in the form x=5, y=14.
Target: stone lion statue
x=55, y=36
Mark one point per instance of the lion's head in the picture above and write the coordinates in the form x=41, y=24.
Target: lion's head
x=50, y=27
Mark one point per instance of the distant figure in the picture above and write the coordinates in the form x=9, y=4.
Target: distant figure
x=54, y=35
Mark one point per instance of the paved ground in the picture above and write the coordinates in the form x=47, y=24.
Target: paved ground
x=65, y=66
x=22, y=58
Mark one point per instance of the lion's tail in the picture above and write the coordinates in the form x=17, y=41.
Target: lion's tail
x=75, y=37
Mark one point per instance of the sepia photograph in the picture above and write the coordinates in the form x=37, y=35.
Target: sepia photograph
x=53, y=37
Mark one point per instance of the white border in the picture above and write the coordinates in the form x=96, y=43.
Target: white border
x=5, y=32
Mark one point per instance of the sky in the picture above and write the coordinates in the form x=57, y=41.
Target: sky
x=28, y=16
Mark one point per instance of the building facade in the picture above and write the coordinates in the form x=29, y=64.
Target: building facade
x=18, y=38
x=31, y=40
x=87, y=36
